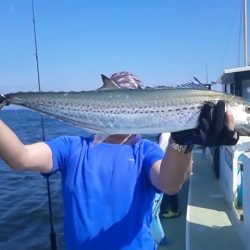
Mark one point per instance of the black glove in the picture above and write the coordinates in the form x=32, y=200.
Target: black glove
x=211, y=130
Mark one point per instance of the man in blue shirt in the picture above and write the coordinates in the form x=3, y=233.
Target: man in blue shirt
x=108, y=187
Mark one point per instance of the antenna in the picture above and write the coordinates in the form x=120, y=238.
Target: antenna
x=206, y=72
x=245, y=32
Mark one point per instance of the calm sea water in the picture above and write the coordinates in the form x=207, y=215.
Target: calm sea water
x=24, y=216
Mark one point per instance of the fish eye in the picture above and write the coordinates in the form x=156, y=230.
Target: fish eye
x=247, y=109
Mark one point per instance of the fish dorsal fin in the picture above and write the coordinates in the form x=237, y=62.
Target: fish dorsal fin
x=186, y=85
x=108, y=83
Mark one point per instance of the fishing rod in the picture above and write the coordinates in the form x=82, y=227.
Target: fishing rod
x=53, y=244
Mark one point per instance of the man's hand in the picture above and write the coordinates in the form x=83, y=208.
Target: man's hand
x=2, y=101
x=215, y=128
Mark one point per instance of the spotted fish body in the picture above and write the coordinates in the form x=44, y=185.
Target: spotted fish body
x=125, y=111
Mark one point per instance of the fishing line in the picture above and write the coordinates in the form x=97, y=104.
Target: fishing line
x=53, y=245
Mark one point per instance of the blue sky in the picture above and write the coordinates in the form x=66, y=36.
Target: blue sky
x=163, y=41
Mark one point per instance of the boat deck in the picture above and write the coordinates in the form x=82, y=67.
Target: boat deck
x=205, y=222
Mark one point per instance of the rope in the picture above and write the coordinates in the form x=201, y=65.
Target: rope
x=53, y=245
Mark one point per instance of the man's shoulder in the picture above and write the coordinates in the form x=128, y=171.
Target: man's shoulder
x=70, y=140
x=148, y=146
x=78, y=138
x=147, y=142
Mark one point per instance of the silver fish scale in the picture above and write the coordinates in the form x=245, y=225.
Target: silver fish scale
x=125, y=111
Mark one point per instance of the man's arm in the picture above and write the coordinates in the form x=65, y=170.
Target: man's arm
x=169, y=174
x=34, y=157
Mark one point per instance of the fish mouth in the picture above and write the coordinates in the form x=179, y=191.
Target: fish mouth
x=243, y=131
x=3, y=100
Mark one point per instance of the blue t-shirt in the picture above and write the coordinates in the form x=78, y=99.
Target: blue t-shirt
x=107, y=192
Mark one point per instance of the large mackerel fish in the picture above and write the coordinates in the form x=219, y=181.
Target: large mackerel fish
x=110, y=110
